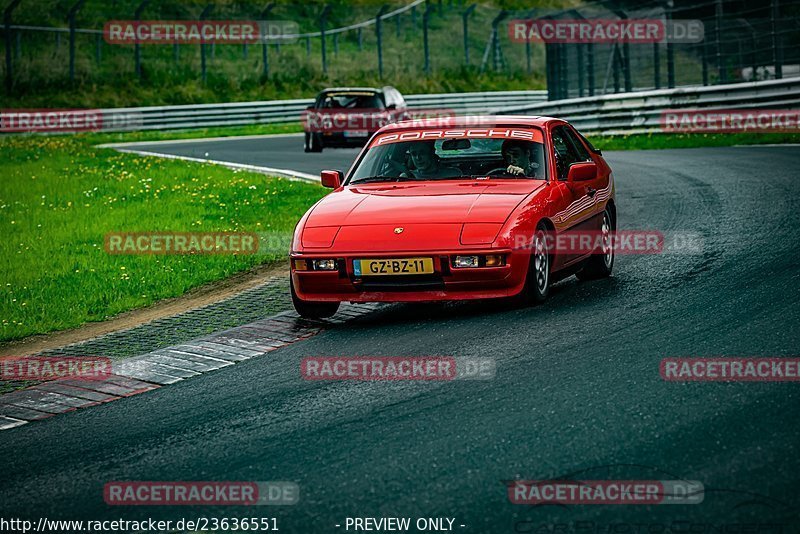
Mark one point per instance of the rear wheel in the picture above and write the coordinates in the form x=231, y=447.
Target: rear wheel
x=312, y=310
x=600, y=264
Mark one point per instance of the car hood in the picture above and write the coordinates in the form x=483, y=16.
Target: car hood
x=422, y=203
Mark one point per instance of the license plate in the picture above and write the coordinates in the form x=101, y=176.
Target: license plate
x=356, y=133
x=393, y=266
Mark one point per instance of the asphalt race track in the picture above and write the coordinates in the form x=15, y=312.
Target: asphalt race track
x=577, y=392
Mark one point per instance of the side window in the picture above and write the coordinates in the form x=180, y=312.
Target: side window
x=566, y=154
x=580, y=149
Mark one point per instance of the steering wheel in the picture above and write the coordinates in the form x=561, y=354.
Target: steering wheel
x=498, y=171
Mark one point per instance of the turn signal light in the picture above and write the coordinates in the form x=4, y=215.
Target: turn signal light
x=300, y=265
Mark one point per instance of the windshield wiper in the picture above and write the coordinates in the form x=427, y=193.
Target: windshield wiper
x=377, y=179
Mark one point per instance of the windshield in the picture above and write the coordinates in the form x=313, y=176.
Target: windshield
x=351, y=101
x=451, y=158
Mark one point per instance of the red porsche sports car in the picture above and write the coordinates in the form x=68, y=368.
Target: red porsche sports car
x=453, y=209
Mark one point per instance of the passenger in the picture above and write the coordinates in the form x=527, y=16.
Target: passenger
x=427, y=164
x=519, y=157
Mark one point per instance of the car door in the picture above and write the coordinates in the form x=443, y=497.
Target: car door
x=580, y=214
x=598, y=187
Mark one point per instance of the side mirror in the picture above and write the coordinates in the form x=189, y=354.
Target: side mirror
x=332, y=179
x=391, y=106
x=581, y=172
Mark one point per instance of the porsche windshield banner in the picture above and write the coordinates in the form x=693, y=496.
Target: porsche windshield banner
x=469, y=133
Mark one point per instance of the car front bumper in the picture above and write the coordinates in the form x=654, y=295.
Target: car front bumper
x=446, y=283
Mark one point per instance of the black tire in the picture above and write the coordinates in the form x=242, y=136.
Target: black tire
x=600, y=264
x=313, y=143
x=312, y=310
x=539, y=276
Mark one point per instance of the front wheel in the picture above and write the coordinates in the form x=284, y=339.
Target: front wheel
x=313, y=143
x=312, y=310
x=600, y=263
x=537, y=281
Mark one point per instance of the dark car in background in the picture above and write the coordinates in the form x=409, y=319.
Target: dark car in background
x=346, y=117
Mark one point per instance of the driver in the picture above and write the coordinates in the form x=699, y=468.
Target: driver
x=519, y=157
x=427, y=164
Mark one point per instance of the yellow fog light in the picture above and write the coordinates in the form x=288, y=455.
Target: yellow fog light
x=495, y=260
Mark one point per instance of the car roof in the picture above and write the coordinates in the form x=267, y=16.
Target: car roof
x=470, y=121
x=348, y=89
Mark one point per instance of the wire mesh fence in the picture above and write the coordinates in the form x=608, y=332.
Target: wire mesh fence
x=62, y=44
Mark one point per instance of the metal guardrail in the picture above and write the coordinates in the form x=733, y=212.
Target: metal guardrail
x=641, y=112
x=283, y=111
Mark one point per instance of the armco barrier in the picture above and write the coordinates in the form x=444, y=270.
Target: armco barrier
x=282, y=111
x=640, y=112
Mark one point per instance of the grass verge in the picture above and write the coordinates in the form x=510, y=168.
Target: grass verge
x=60, y=196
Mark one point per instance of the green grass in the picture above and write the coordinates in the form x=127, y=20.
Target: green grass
x=59, y=196
x=664, y=140
x=199, y=133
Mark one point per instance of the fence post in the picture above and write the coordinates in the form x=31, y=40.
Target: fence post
x=426, y=17
x=264, y=43
x=7, y=30
x=590, y=67
x=203, y=15
x=361, y=39
x=137, y=50
x=336, y=44
x=308, y=46
x=777, y=51
x=625, y=56
x=98, y=47
x=73, y=11
x=379, y=35
x=670, y=49
x=323, y=20
x=465, y=24
x=722, y=71
x=496, y=53
x=704, y=53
